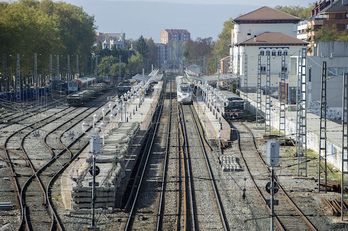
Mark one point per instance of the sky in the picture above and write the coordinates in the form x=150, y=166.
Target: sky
x=202, y=18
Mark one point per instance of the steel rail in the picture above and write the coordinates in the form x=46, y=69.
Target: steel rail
x=211, y=175
x=165, y=166
x=291, y=202
x=188, y=169
x=130, y=219
x=35, y=112
x=179, y=184
x=54, y=217
x=184, y=170
x=12, y=168
x=279, y=224
x=35, y=174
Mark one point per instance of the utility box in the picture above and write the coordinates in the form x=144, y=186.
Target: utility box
x=272, y=152
x=94, y=143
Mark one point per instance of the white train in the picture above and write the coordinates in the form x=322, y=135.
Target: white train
x=184, y=90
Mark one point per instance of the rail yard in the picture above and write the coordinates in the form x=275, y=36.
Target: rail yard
x=161, y=165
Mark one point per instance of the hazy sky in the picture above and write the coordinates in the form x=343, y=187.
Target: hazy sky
x=202, y=18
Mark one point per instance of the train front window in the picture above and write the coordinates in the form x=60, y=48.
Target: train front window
x=235, y=104
x=185, y=89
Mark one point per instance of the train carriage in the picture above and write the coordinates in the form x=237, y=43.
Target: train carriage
x=184, y=90
x=233, y=107
x=80, y=98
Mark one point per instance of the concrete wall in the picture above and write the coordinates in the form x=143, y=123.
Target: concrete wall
x=241, y=31
x=334, y=131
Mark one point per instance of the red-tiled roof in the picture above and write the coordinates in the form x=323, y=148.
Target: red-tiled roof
x=265, y=14
x=273, y=38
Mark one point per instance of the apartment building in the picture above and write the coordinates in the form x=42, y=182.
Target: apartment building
x=327, y=13
x=168, y=35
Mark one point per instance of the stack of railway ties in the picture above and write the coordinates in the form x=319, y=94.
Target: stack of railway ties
x=110, y=160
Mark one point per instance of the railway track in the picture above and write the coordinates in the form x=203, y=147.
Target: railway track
x=180, y=200
x=170, y=185
x=288, y=215
x=28, y=164
x=11, y=118
x=135, y=217
x=24, y=169
x=206, y=207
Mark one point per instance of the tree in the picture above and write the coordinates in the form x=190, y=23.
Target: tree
x=141, y=47
x=44, y=27
x=326, y=33
x=195, y=50
x=301, y=12
x=153, y=50
x=135, y=64
x=221, y=48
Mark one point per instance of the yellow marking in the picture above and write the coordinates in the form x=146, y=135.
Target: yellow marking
x=81, y=167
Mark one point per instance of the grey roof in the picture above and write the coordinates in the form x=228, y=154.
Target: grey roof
x=336, y=7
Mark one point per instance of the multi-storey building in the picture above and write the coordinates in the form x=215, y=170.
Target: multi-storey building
x=168, y=35
x=224, y=65
x=327, y=13
x=164, y=54
x=302, y=30
x=261, y=33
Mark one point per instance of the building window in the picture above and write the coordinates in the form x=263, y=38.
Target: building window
x=274, y=53
x=285, y=53
x=263, y=69
x=268, y=53
x=285, y=69
x=279, y=53
x=310, y=75
x=262, y=52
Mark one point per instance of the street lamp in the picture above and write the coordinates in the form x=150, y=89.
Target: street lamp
x=103, y=126
x=95, y=117
x=103, y=112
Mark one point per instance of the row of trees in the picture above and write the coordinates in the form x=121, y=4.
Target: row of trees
x=44, y=27
x=132, y=60
x=206, y=53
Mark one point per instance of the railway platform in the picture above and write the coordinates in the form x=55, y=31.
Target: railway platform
x=121, y=144
x=210, y=119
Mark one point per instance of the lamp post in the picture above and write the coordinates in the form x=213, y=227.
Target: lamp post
x=103, y=125
x=103, y=113
x=95, y=116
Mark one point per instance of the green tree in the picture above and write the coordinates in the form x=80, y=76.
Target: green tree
x=44, y=27
x=141, y=47
x=152, y=55
x=298, y=11
x=326, y=33
x=195, y=50
x=135, y=64
x=221, y=48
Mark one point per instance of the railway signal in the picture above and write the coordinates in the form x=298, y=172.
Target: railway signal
x=272, y=159
x=94, y=147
